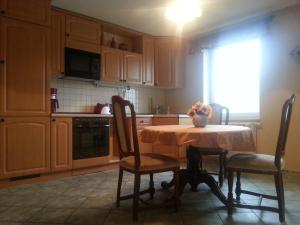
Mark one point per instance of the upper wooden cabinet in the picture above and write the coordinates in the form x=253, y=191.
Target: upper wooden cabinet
x=148, y=61
x=132, y=68
x=112, y=65
x=83, y=34
x=169, y=62
x=61, y=144
x=24, y=68
x=120, y=66
x=58, y=31
x=35, y=11
x=24, y=146
x=164, y=62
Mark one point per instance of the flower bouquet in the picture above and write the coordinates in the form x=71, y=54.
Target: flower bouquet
x=200, y=113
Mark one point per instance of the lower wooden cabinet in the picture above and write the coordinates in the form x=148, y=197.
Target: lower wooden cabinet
x=24, y=146
x=61, y=144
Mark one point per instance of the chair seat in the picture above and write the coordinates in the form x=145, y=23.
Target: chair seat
x=151, y=162
x=254, y=162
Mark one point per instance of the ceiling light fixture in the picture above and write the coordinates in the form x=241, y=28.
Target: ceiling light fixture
x=182, y=11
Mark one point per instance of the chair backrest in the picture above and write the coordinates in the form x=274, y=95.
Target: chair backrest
x=217, y=114
x=284, y=127
x=123, y=129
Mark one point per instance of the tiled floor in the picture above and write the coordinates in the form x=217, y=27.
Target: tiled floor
x=90, y=199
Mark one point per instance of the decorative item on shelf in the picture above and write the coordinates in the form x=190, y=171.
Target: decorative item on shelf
x=113, y=43
x=200, y=113
x=123, y=46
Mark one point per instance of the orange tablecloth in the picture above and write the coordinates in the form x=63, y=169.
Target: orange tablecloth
x=232, y=138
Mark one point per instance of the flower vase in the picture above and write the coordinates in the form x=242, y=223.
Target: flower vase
x=200, y=120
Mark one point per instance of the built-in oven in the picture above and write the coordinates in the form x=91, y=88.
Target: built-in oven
x=90, y=137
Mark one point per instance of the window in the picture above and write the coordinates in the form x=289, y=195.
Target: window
x=232, y=79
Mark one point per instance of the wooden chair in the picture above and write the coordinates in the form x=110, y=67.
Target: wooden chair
x=262, y=164
x=217, y=119
x=132, y=161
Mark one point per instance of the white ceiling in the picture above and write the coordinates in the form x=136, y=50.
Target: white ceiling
x=148, y=15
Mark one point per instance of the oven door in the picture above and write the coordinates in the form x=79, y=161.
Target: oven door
x=90, y=141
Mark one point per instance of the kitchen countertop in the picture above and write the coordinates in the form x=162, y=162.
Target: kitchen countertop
x=66, y=114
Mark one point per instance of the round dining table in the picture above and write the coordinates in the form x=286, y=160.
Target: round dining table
x=226, y=137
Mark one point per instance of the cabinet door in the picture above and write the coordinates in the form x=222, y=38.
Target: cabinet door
x=148, y=61
x=57, y=43
x=112, y=65
x=25, y=146
x=61, y=144
x=164, y=63
x=132, y=68
x=83, y=34
x=23, y=73
x=36, y=11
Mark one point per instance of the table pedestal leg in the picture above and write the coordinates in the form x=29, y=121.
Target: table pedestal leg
x=194, y=176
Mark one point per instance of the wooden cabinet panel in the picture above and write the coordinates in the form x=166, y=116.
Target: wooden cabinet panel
x=112, y=65
x=164, y=63
x=25, y=146
x=61, y=144
x=36, y=11
x=148, y=61
x=84, y=30
x=57, y=43
x=24, y=71
x=156, y=121
x=132, y=68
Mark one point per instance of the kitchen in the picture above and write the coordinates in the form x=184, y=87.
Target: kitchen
x=84, y=62
x=59, y=70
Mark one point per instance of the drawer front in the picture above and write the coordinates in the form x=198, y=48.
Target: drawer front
x=141, y=123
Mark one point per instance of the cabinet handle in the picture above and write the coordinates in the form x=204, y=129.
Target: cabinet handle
x=124, y=80
x=53, y=120
x=2, y=61
x=121, y=80
x=2, y=120
x=68, y=35
x=2, y=12
x=143, y=82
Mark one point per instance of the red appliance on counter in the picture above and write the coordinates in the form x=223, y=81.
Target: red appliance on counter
x=54, y=100
x=103, y=108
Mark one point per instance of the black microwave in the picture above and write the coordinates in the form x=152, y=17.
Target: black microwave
x=82, y=64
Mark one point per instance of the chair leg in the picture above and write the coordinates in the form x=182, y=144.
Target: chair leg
x=238, y=186
x=221, y=169
x=230, y=195
x=136, y=192
x=151, y=186
x=176, y=180
x=119, y=187
x=225, y=164
x=200, y=162
x=280, y=196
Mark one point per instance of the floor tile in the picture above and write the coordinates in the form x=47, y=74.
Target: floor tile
x=66, y=202
x=51, y=215
x=18, y=214
x=240, y=219
x=88, y=216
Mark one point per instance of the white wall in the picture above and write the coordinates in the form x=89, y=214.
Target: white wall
x=280, y=78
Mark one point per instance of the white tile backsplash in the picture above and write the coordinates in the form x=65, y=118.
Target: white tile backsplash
x=82, y=96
